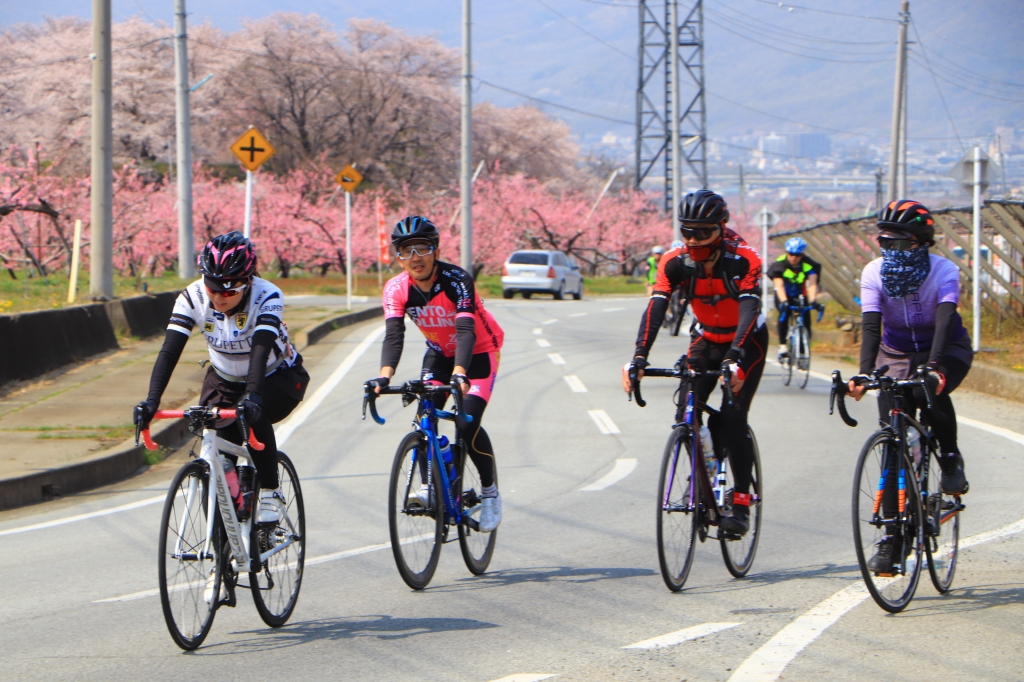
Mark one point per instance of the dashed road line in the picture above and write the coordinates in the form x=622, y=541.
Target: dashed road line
x=604, y=422
x=543, y=343
x=556, y=358
x=525, y=677
x=538, y=331
x=574, y=383
x=90, y=515
x=579, y=314
x=551, y=321
x=622, y=468
x=612, y=310
x=680, y=636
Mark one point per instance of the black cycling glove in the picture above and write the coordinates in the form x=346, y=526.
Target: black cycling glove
x=379, y=382
x=250, y=404
x=144, y=411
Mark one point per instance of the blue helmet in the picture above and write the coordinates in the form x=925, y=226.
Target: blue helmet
x=677, y=244
x=795, y=246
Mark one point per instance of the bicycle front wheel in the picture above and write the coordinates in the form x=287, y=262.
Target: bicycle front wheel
x=804, y=357
x=190, y=562
x=942, y=525
x=892, y=589
x=275, y=588
x=679, y=513
x=415, y=519
x=477, y=548
x=739, y=552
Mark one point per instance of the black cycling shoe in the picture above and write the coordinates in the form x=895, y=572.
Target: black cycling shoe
x=954, y=481
x=737, y=522
x=881, y=562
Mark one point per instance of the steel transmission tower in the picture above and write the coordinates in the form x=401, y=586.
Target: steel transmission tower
x=654, y=96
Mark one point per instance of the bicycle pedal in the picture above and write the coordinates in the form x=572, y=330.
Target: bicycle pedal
x=885, y=575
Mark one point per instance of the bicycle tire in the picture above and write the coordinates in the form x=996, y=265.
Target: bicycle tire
x=677, y=526
x=805, y=357
x=416, y=538
x=787, y=363
x=739, y=554
x=187, y=611
x=477, y=548
x=275, y=588
x=892, y=591
x=942, y=540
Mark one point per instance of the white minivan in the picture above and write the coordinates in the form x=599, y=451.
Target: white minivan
x=546, y=272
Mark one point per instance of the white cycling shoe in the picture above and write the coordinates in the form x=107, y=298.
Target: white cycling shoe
x=490, y=513
x=208, y=592
x=420, y=498
x=271, y=505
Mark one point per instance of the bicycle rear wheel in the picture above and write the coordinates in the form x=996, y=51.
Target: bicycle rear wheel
x=739, y=552
x=787, y=362
x=942, y=527
x=679, y=511
x=416, y=529
x=275, y=589
x=804, y=358
x=189, y=567
x=476, y=547
x=891, y=591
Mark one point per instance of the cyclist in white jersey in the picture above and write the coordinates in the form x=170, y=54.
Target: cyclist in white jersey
x=253, y=365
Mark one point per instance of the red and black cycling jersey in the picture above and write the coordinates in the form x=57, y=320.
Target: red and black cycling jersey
x=726, y=304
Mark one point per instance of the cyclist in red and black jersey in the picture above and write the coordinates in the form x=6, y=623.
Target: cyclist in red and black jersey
x=720, y=275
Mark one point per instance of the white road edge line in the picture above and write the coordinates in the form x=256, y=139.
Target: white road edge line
x=767, y=663
x=680, y=636
x=525, y=677
x=556, y=358
x=283, y=432
x=574, y=383
x=622, y=468
x=543, y=343
x=604, y=422
x=579, y=314
x=612, y=310
x=538, y=330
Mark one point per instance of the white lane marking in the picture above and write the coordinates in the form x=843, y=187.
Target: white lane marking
x=680, y=636
x=551, y=321
x=538, y=330
x=604, y=422
x=574, y=383
x=543, y=343
x=284, y=432
x=556, y=358
x=612, y=310
x=525, y=677
x=309, y=562
x=767, y=663
x=83, y=517
x=622, y=468
x=579, y=314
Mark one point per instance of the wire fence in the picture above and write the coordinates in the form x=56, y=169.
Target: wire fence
x=844, y=247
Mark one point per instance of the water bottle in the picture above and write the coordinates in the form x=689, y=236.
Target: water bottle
x=246, y=490
x=446, y=454
x=231, y=476
x=709, y=450
x=914, y=444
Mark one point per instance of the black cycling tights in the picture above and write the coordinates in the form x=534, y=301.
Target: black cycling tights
x=476, y=439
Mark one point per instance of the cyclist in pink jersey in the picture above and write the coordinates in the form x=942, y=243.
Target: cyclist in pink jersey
x=463, y=341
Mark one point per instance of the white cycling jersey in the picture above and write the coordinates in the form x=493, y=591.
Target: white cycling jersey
x=229, y=339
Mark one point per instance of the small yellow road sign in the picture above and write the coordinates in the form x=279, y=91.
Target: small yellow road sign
x=349, y=178
x=252, y=149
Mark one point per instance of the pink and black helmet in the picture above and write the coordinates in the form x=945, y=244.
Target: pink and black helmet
x=228, y=260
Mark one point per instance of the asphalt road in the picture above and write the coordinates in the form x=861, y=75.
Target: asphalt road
x=574, y=577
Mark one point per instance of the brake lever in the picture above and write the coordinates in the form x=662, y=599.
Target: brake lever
x=370, y=398
x=634, y=385
x=839, y=391
x=727, y=383
x=457, y=399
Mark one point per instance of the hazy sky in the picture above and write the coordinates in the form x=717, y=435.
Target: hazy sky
x=582, y=54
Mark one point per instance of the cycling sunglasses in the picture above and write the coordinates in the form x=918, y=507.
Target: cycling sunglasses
x=699, y=233
x=229, y=292
x=894, y=244
x=407, y=252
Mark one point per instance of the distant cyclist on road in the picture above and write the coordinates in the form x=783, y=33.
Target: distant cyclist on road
x=463, y=342
x=794, y=274
x=253, y=364
x=913, y=295
x=652, y=268
x=721, y=277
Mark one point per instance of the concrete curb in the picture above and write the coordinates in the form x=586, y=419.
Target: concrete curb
x=995, y=381
x=126, y=460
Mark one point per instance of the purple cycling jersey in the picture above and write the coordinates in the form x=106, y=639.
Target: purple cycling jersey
x=910, y=321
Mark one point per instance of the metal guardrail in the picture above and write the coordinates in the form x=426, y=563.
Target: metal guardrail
x=844, y=247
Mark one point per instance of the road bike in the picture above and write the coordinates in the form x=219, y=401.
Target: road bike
x=208, y=536
x=695, y=488
x=798, y=341
x=430, y=500
x=895, y=494
x=676, y=312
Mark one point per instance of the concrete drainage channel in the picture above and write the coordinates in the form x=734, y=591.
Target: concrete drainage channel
x=125, y=460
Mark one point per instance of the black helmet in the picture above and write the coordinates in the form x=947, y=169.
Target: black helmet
x=908, y=216
x=703, y=207
x=414, y=227
x=228, y=258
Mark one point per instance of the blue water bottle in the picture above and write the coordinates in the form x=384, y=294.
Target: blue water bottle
x=446, y=453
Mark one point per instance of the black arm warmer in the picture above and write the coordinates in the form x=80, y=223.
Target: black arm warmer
x=750, y=310
x=394, y=340
x=263, y=342
x=870, y=340
x=650, y=323
x=465, y=339
x=166, y=359
x=943, y=317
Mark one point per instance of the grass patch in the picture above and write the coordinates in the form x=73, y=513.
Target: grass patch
x=101, y=433
x=47, y=293
x=151, y=457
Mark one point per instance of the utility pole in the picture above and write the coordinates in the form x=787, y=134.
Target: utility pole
x=897, y=100
x=466, y=162
x=101, y=271
x=674, y=151
x=904, y=191
x=976, y=254
x=186, y=240
x=879, y=174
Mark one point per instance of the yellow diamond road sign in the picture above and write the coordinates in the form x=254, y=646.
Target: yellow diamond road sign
x=252, y=149
x=349, y=178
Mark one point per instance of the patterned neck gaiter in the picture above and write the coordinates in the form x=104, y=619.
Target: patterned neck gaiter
x=903, y=272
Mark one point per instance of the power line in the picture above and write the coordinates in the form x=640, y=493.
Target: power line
x=552, y=104
x=970, y=49
x=570, y=21
x=778, y=29
x=798, y=54
x=790, y=8
x=937, y=88
x=964, y=87
x=63, y=60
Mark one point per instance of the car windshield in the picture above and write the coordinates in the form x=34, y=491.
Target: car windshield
x=528, y=259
